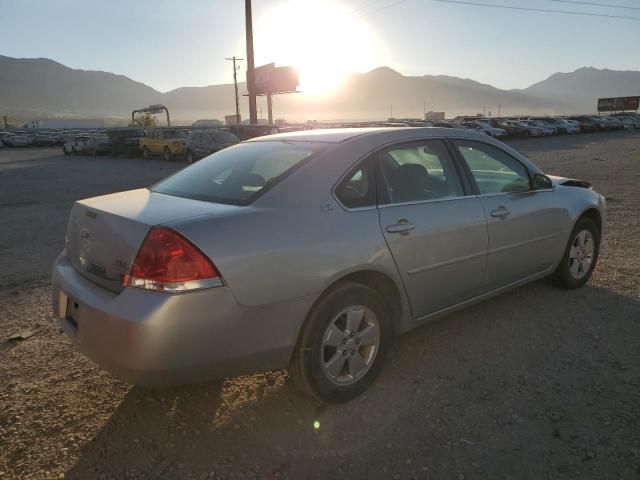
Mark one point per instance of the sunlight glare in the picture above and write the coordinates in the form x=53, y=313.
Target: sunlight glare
x=321, y=39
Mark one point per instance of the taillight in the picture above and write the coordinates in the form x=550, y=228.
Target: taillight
x=169, y=262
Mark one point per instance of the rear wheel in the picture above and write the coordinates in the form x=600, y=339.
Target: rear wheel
x=146, y=154
x=343, y=344
x=580, y=256
x=167, y=155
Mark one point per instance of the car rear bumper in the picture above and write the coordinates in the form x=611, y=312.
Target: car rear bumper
x=154, y=338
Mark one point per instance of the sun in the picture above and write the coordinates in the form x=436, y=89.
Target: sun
x=323, y=40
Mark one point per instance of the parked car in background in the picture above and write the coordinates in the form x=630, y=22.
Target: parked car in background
x=485, y=128
x=614, y=123
x=559, y=127
x=629, y=120
x=571, y=126
x=553, y=129
x=546, y=130
x=168, y=142
x=511, y=129
x=125, y=141
x=98, y=144
x=527, y=130
x=587, y=124
x=4, y=135
x=42, y=139
x=202, y=143
x=311, y=251
x=15, y=141
x=74, y=144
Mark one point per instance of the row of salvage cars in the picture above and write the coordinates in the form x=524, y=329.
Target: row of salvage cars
x=543, y=126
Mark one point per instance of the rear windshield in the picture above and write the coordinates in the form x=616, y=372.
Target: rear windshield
x=237, y=175
x=172, y=133
x=224, y=137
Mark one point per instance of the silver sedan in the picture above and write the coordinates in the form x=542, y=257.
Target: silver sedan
x=311, y=251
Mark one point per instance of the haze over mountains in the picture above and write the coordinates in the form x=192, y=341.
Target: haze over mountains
x=43, y=86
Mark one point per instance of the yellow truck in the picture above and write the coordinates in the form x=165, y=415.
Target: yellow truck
x=168, y=142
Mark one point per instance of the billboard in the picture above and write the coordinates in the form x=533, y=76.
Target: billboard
x=272, y=79
x=618, y=103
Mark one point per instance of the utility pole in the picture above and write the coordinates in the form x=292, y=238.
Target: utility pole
x=251, y=84
x=269, y=108
x=235, y=84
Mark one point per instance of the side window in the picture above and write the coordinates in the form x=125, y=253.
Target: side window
x=357, y=190
x=494, y=171
x=419, y=171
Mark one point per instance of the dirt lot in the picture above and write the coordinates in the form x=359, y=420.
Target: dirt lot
x=535, y=384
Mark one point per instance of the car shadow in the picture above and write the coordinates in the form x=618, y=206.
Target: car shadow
x=535, y=381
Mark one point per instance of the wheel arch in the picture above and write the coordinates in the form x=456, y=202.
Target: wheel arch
x=383, y=283
x=594, y=215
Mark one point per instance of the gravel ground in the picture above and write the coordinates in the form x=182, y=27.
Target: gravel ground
x=535, y=384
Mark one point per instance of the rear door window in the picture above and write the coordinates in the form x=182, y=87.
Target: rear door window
x=419, y=171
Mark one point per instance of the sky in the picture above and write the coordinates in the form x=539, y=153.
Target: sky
x=169, y=43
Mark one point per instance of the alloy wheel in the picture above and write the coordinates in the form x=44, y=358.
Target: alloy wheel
x=350, y=344
x=581, y=254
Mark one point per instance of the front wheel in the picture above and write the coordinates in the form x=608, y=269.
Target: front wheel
x=343, y=344
x=167, y=155
x=580, y=256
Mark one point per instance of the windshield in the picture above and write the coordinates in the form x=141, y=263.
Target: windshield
x=172, y=133
x=238, y=174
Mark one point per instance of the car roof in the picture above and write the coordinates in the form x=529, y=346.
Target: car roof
x=338, y=135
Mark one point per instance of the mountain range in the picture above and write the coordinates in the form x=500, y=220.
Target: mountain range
x=42, y=86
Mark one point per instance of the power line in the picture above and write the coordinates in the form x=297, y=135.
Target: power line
x=526, y=9
x=365, y=6
x=380, y=9
x=593, y=4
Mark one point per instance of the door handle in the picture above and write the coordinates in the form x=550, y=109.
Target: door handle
x=403, y=227
x=500, y=212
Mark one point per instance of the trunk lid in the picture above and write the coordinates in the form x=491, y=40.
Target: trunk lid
x=105, y=233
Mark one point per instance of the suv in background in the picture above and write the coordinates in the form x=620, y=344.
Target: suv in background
x=168, y=142
x=125, y=141
x=205, y=142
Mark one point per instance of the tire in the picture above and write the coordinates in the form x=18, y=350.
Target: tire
x=316, y=353
x=189, y=156
x=146, y=154
x=572, y=272
x=167, y=155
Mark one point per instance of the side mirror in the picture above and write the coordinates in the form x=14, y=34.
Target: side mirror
x=541, y=182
